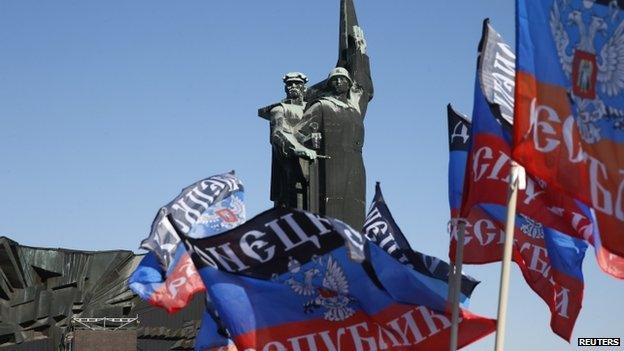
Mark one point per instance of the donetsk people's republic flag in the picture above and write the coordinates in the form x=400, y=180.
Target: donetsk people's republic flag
x=569, y=112
x=293, y=280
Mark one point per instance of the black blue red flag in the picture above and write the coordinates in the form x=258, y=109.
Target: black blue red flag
x=569, y=111
x=381, y=228
x=166, y=277
x=293, y=280
x=548, y=244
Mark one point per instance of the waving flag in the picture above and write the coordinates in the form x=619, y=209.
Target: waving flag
x=579, y=216
x=171, y=289
x=483, y=242
x=186, y=209
x=459, y=136
x=548, y=255
x=381, y=229
x=569, y=115
x=293, y=280
x=166, y=276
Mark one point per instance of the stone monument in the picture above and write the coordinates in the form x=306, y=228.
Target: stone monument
x=324, y=148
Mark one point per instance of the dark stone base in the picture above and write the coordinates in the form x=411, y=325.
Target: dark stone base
x=105, y=340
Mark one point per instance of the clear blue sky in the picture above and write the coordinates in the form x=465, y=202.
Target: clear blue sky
x=109, y=108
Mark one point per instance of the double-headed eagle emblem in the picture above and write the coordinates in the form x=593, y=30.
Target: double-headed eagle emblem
x=224, y=215
x=591, y=54
x=332, y=294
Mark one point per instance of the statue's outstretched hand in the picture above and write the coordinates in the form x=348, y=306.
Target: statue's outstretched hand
x=305, y=153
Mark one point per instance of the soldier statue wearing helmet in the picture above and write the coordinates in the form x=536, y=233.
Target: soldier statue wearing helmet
x=337, y=120
x=317, y=149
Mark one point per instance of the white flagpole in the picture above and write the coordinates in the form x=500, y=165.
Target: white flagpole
x=455, y=287
x=516, y=181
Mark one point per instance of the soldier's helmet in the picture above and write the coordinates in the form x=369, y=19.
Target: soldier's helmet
x=295, y=77
x=339, y=71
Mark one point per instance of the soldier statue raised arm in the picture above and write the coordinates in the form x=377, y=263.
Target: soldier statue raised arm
x=317, y=160
x=336, y=121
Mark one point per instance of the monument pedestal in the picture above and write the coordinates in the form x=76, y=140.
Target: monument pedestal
x=104, y=340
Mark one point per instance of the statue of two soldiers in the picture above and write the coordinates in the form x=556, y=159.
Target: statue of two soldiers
x=317, y=134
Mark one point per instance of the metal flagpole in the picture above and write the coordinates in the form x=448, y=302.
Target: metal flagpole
x=516, y=181
x=456, y=283
x=451, y=288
